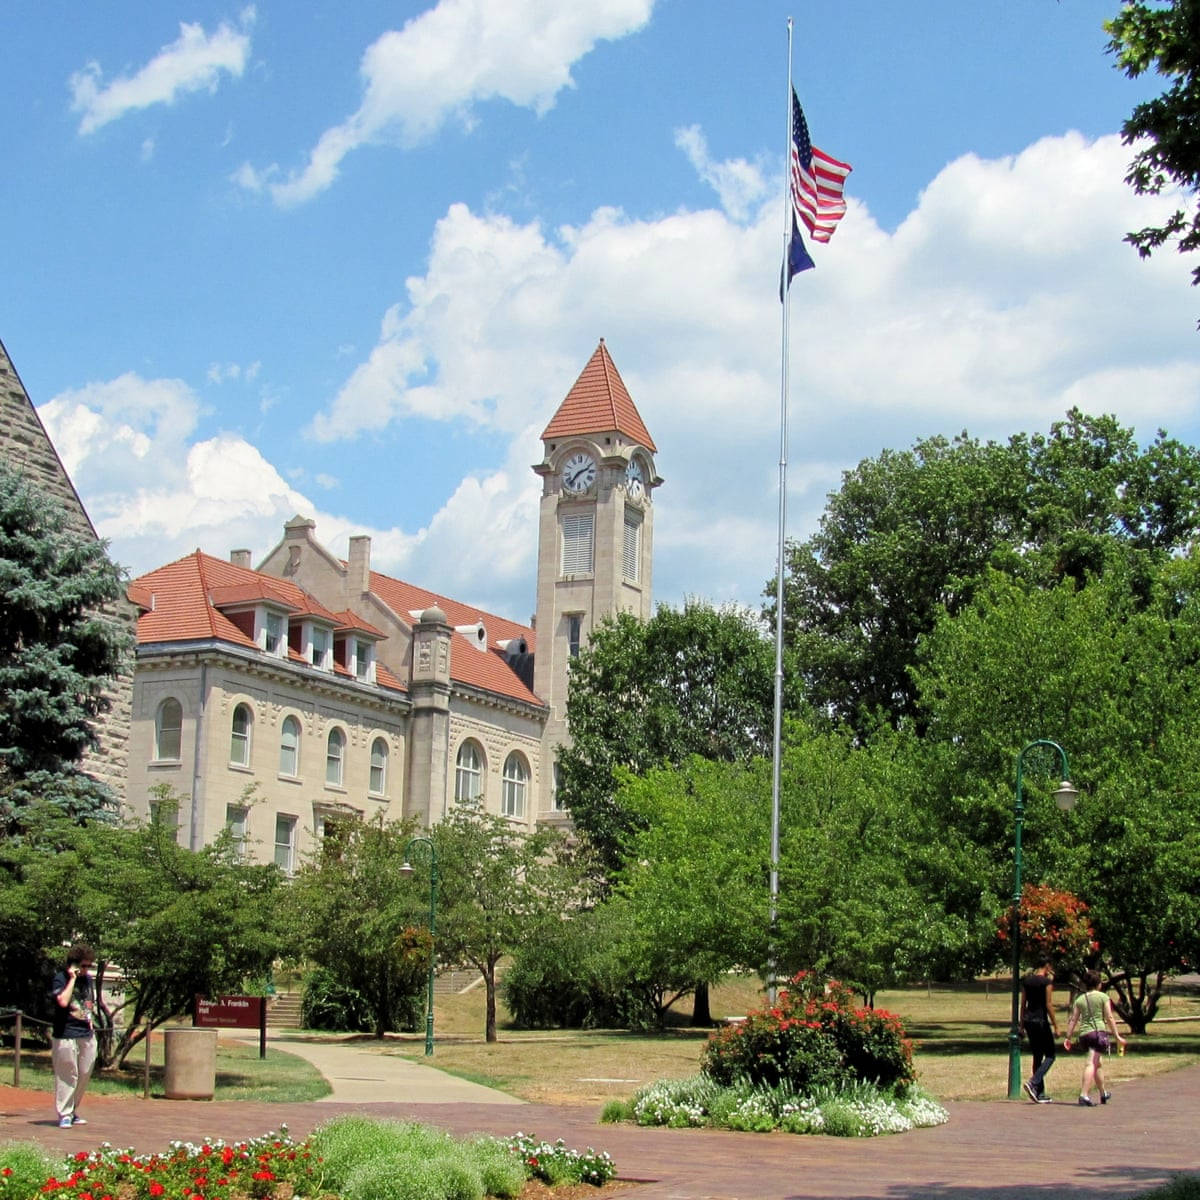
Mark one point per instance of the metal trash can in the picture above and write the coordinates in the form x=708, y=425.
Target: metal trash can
x=190, y=1063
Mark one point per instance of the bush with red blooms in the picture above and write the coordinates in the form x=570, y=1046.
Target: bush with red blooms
x=814, y=1036
x=1054, y=925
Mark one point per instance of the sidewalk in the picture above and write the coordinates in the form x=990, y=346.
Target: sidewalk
x=999, y=1150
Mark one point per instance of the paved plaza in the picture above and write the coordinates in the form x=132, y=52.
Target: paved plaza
x=998, y=1150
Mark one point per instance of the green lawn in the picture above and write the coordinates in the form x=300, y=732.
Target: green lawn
x=241, y=1074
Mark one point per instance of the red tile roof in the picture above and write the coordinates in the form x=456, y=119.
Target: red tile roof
x=597, y=403
x=178, y=604
x=486, y=669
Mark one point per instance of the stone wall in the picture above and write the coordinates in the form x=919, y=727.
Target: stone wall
x=25, y=446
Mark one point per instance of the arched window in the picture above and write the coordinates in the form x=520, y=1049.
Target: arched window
x=168, y=729
x=514, y=783
x=289, y=747
x=239, y=736
x=335, y=752
x=379, y=761
x=468, y=774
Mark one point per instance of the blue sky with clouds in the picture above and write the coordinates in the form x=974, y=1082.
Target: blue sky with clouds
x=345, y=260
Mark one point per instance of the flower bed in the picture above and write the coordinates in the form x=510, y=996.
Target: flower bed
x=857, y=1110
x=351, y=1158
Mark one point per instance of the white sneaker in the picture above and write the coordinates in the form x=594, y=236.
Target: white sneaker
x=65, y=1122
x=78, y=1120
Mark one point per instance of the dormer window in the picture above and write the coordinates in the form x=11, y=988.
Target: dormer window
x=273, y=634
x=364, y=661
x=321, y=643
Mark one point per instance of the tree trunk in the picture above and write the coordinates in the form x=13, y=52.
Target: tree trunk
x=489, y=983
x=701, y=1014
x=1137, y=998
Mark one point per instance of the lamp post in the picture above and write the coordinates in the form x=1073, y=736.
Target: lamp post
x=1065, y=796
x=406, y=869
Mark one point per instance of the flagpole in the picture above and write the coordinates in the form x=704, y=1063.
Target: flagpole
x=784, y=384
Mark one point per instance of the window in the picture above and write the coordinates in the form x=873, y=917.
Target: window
x=362, y=659
x=515, y=779
x=379, y=761
x=335, y=750
x=632, y=560
x=273, y=634
x=574, y=633
x=239, y=736
x=289, y=747
x=168, y=729
x=285, y=843
x=577, y=543
x=322, y=649
x=468, y=774
x=236, y=820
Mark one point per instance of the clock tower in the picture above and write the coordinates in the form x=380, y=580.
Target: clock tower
x=595, y=534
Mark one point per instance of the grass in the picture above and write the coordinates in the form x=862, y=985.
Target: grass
x=960, y=1036
x=280, y=1078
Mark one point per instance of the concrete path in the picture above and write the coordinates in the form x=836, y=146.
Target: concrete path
x=999, y=1150
x=360, y=1075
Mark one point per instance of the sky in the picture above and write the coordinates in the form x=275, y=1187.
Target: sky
x=345, y=260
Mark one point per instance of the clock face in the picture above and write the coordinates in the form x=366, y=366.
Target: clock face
x=579, y=472
x=635, y=480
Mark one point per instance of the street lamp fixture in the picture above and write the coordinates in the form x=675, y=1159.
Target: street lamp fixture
x=406, y=869
x=1065, y=796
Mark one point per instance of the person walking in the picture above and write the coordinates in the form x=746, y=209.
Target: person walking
x=73, y=1033
x=1092, y=1011
x=1040, y=1026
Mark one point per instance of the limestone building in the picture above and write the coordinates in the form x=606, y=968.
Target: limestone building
x=26, y=447
x=281, y=699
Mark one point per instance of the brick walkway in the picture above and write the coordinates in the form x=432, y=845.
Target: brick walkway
x=989, y=1151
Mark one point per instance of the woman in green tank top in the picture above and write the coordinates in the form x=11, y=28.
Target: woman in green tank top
x=1091, y=1012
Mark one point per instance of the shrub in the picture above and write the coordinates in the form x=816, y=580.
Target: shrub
x=569, y=977
x=327, y=1003
x=24, y=1167
x=815, y=1036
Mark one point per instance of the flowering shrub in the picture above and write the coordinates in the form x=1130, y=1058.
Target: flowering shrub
x=815, y=1036
x=1053, y=925
x=24, y=1167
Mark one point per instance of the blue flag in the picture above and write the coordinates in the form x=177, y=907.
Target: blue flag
x=798, y=259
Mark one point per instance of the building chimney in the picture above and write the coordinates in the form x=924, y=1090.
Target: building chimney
x=240, y=558
x=358, y=569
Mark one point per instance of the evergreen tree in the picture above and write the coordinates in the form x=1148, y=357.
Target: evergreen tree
x=58, y=652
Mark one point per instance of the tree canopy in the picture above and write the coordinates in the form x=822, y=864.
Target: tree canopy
x=695, y=680
x=909, y=535
x=1163, y=37
x=58, y=651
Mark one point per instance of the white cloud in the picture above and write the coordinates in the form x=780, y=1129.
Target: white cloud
x=1006, y=297
x=739, y=185
x=194, y=62
x=441, y=63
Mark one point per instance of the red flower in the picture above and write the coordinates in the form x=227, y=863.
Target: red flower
x=156, y=1188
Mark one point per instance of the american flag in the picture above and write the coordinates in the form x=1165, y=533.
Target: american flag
x=817, y=181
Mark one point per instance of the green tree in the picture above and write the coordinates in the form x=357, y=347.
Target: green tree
x=1163, y=37
x=58, y=652
x=498, y=885
x=909, y=536
x=696, y=680
x=694, y=881
x=1110, y=677
x=181, y=923
x=354, y=912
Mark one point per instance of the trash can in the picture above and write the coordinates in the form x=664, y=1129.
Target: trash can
x=190, y=1063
